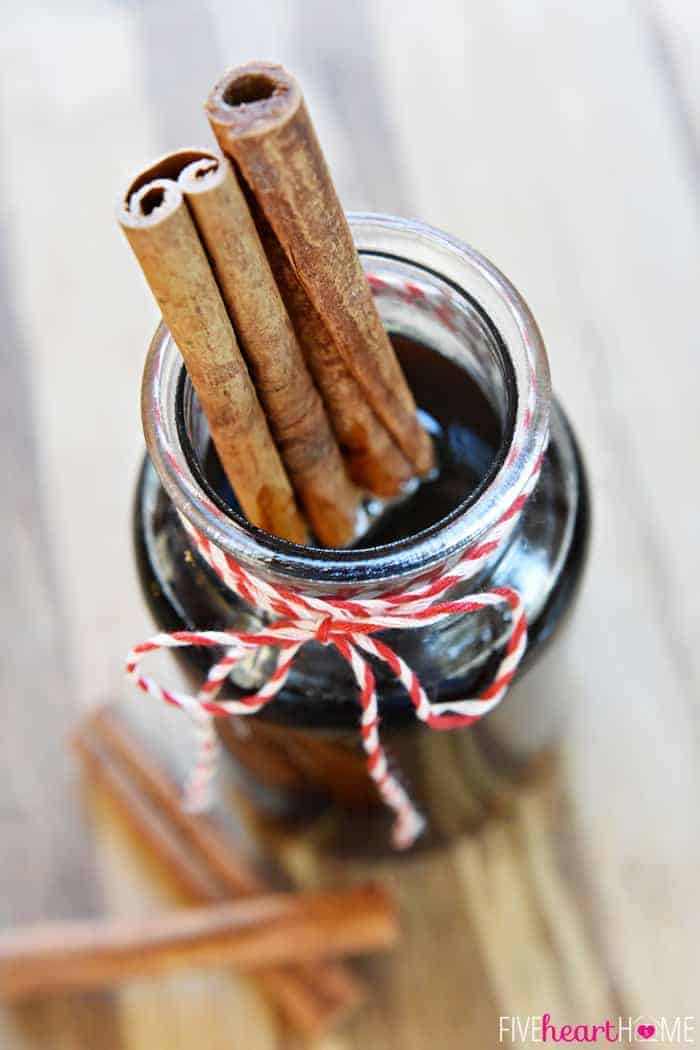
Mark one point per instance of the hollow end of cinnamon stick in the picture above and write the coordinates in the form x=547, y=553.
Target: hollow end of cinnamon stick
x=170, y=166
x=255, y=97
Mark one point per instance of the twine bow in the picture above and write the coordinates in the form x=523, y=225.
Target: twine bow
x=350, y=626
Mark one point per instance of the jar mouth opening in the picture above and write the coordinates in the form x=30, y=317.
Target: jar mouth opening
x=187, y=412
x=510, y=365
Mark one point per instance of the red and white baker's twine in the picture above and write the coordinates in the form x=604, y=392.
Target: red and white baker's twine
x=350, y=625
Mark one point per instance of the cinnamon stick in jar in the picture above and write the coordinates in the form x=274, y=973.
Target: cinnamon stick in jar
x=295, y=411
x=160, y=230
x=374, y=460
x=259, y=117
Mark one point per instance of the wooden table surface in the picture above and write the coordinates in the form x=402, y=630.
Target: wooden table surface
x=562, y=140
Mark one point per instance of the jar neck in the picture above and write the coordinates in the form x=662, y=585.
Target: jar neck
x=441, y=293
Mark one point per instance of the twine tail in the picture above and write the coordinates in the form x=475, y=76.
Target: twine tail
x=199, y=789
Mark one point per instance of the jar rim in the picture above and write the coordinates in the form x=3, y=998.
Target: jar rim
x=319, y=569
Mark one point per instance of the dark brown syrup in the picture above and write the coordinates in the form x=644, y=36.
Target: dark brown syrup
x=466, y=434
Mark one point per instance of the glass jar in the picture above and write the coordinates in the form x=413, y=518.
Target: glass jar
x=301, y=755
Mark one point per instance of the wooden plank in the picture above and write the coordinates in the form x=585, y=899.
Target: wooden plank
x=48, y=863
x=530, y=931
x=74, y=126
x=204, y=1010
x=573, y=180
x=673, y=30
x=560, y=141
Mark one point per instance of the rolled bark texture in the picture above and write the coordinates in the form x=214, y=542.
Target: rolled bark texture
x=294, y=408
x=158, y=225
x=374, y=460
x=260, y=120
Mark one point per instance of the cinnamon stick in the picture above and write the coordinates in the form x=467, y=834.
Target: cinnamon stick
x=182, y=865
x=294, y=408
x=160, y=230
x=247, y=934
x=259, y=117
x=205, y=864
x=203, y=838
x=374, y=460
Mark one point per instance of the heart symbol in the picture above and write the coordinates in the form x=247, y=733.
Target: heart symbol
x=646, y=1030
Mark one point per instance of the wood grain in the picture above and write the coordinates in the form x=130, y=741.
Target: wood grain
x=561, y=140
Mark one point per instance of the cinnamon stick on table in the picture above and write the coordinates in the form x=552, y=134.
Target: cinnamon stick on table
x=260, y=120
x=159, y=228
x=247, y=934
x=205, y=864
x=295, y=411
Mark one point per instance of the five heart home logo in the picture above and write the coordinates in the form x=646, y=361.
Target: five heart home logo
x=626, y=1031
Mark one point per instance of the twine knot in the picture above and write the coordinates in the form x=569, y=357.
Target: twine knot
x=352, y=626
x=324, y=629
